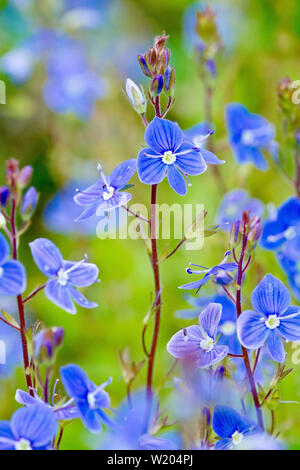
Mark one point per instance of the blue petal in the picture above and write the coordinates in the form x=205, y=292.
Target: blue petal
x=35, y=423
x=273, y=234
x=91, y=194
x=60, y=296
x=149, y=442
x=223, y=444
x=275, y=346
x=250, y=154
x=4, y=249
x=289, y=212
x=198, y=131
x=196, y=284
x=80, y=299
x=122, y=173
x=289, y=328
x=65, y=413
x=191, y=163
x=89, y=417
x=271, y=296
x=226, y=421
x=210, y=157
x=12, y=278
x=176, y=180
x=251, y=329
x=46, y=256
x=75, y=380
x=6, y=436
x=118, y=199
x=151, y=170
x=87, y=213
x=208, y=358
x=83, y=275
x=210, y=318
x=185, y=343
x=162, y=135
x=26, y=399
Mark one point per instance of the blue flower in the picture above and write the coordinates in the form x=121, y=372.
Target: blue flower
x=220, y=272
x=199, y=342
x=64, y=275
x=12, y=349
x=169, y=153
x=30, y=428
x=89, y=399
x=232, y=428
x=249, y=134
x=18, y=64
x=273, y=319
x=292, y=271
x=106, y=194
x=232, y=206
x=198, y=134
x=12, y=273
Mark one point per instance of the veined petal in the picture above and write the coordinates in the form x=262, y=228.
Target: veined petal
x=271, y=296
x=83, y=275
x=24, y=398
x=196, y=284
x=91, y=194
x=190, y=161
x=12, y=278
x=209, y=319
x=251, y=329
x=210, y=157
x=75, y=380
x=176, y=180
x=151, y=170
x=80, y=299
x=88, y=213
x=162, y=135
x=275, y=346
x=35, y=423
x=289, y=326
x=118, y=199
x=6, y=436
x=223, y=444
x=226, y=421
x=4, y=249
x=122, y=173
x=60, y=296
x=208, y=358
x=185, y=343
x=46, y=256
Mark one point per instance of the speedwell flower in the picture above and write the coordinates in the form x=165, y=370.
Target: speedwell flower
x=30, y=428
x=273, y=319
x=233, y=204
x=220, y=272
x=64, y=275
x=249, y=134
x=199, y=342
x=106, y=194
x=169, y=153
x=12, y=273
x=90, y=399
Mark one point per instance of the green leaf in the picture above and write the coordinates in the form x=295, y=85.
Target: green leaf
x=10, y=319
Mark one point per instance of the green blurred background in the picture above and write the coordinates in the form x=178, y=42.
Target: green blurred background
x=266, y=49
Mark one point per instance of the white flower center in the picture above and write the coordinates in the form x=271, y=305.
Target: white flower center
x=169, y=158
x=198, y=140
x=62, y=277
x=247, y=137
x=272, y=322
x=1, y=271
x=237, y=438
x=23, y=444
x=108, y=193
x=91, y=400
x=207, y=344
x=228, y=328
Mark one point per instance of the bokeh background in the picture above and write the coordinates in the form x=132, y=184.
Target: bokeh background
x=64, y=134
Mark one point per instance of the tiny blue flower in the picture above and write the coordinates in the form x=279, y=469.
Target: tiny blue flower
x=221, y=273
x=106, y=194
x=169, y=153
x=199, y=342
x=232, y=428
x=89, y=399
x=12, y=273
x=30, y=428
x=250, y=134
x=273, y=319
x=64, y=275
x=198, y=135
x=232, y=206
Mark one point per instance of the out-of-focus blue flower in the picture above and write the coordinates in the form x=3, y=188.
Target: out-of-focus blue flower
x=249, y=134
x=292, y=270
x=84, y=13
x=198, y=135
x=62, y=412
x=169, y=153
x=199, y=342
x=106, y=194
x=12, y=273
x=220, y=272
x=11, y=339
x=272, y=319
x=227, y=325
x=232, y=206
x=18, y=64
x=90, y=399
x=130, y=433
x=232, y=428
x=30, y=428
x=64, y=275
x=29, y=201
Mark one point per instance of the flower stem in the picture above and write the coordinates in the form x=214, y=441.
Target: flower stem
x=20, y=303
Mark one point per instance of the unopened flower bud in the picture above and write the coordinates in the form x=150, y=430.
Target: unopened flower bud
x=169, y=86
x=46, y=342
x=206, y=415
x=24, y=176
x=4, y=195
x=12, y=171
x=144, y=65
x=156, y=86
x=136, y=96
x=29, y=202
